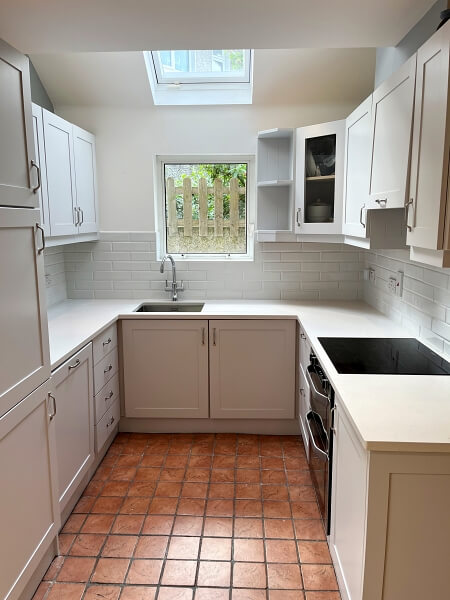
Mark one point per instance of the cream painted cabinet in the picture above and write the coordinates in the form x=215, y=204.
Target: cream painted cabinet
x=85, y=180
x=39, y=151
x=252, y=369
x=392, y=114
x=165, y=366
x=24, y=359
x=19, y=177
x=74, y=397
x=29, y=516
x=429, y=200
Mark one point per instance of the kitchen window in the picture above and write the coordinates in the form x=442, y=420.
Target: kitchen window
x=205, y=208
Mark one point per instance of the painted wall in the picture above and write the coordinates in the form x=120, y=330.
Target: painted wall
x=391, y=58
x=38, y=92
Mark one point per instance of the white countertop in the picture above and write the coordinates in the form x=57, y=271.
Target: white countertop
x=389, y=412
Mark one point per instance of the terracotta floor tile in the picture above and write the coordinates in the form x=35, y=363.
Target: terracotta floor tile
x=102, y=474
x=129, y=460
x=284, y=577
x=221, y=490
x=249, y=575
x=135, y=506
x=176, y=462
x=273, y=477
x=215, y=549
x=142, y=489
x=157, y=525
x=286, y=595
x=309, y=529
x=98, y=524
x=248, y=508
x=278, y=528
x=74, y=524
x=248, y=449
x=168, y=593
x=247, y=462
x=200, y=461
x=248, y=550
x=87, y=544
x=191, y=506
x=128, y=524
x=314, y=552
x=277, y=509
x=76, y=570
x=248, y=528
x=168, y=489
x=225, y=447
x=295, y=463
x=144, y=571
x=248, y=490
x=172, y=475
x=197, y=475
x=281, y=551
x=157, y=447
x=151, y=546
x=163, y=506
x=214, y=574
x=93, y=488
x=84, y=504
x=65, y=541
x=248, y=594
x=272, y=463
x=194, y=490
x=188, y=526
x=110, y=570
x=275, y=492
x=123, y=473
x=147, y=474
x=305, y=510
x=179, y=572
x=184, y=548
x=107, y=505
x=323, y=596
x=42, y=590
x=218, y=527
x=131, y=592
x=247, y=476
x=102, y=592
x=54, y=568
x=180, y=447
x=223, y=462
x=319, y=577
x=299, y=478
x=222, y=475
x=211, y=594
x=115, y=488
x=302, y=493
x=152, y=460
x=271, y=450
x=66, y=591
x=120, y=546
x=219, y=508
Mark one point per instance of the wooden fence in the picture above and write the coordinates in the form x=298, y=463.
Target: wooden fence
x=187, y=223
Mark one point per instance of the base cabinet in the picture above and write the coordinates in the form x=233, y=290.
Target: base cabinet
x=74, y=394
x=29, y=515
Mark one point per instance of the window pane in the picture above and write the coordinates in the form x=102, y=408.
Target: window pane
x=206, y=208
x=166, y=57
x=181, y=60
x=203, y=64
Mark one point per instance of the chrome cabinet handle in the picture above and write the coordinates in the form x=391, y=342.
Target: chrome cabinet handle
x=76, y=218
x=409, y=203
x=42, y=248
x=38, y=171
x=80, y=210
x=76, y=364
x=203, y=336
x=52, y=415
x=381, y=202
x=302, y=335
x=214, y=336
x=109, y=396
x=111, y=422
x=361, y=216
x=108, y=341
x=108, y=369
x=333, y=428
x=297, y=216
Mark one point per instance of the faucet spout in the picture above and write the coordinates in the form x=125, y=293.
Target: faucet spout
x=175, y=287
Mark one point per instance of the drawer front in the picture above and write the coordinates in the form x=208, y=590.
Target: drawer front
x=106, y=425
x=304, y=408
x=305, y=349
x=106, y=397
x=105, y=370
x=104, y=343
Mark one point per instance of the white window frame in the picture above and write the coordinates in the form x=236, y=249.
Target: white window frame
x=159, y=194
x=200, y=91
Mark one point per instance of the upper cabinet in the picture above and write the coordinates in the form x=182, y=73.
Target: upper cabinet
x=68, y=200
x=392, y=112
x=319, y=178
x=19, y=174
x=429, y=201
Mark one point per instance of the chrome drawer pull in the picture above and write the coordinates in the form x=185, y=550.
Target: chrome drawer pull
x=381, y=202
x=111, y=422
x=42, y=248
x=53, y=414
x=107, y=342
x=38, y=171
x=108, y=369
x=361, y=215
x=75, y=365
x=303, y=336
x=109, y=396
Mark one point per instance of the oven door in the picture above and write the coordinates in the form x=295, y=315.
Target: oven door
x=318, y=460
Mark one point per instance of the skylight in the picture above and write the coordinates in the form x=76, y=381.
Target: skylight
x=200, y=76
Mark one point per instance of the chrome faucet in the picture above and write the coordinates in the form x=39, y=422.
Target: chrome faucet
x=174, y=287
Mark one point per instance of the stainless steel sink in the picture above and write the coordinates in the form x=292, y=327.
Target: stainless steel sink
x=171, y=307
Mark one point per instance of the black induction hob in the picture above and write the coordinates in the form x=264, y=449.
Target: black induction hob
x=383, y=356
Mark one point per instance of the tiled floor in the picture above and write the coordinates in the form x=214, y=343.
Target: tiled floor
x=203, y=517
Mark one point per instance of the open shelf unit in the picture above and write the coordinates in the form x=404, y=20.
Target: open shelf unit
x=275, y=178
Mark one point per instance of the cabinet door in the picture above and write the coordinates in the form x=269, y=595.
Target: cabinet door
x=357, y=169
x=74, y=393
x=252, y=369
x=60, y=175
x=17, y=175
x=85, y=179
x=24, y=354
x=319, y=178
x=392, y=114
x=29, y=516
x=39, y=151
x=304, y=407
x=430, y=148
x=165, y=366
x=348, y=507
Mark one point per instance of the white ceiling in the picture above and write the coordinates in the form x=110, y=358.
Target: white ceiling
x=281, y=77
x=118, y=25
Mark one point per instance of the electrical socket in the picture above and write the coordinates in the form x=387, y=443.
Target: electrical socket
x=395, y=284
x=48, y=280
x=372, y=275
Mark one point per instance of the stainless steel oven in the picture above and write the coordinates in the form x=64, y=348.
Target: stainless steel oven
x=319, y=421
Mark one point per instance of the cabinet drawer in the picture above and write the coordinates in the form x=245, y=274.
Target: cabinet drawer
x=304, y=408
x=104, y=343
x=106, y=397
x=305, y=349
x=105, y=370
x=106, y=425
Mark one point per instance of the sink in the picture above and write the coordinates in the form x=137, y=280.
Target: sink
x=171, y=307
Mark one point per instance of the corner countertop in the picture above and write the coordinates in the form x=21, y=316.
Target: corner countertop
x=405, y=413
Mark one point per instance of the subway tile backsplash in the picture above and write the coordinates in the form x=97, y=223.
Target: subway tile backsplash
x=55, y=275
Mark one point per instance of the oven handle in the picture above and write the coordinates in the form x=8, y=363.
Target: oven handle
x=313, y=387
x=323, y=455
